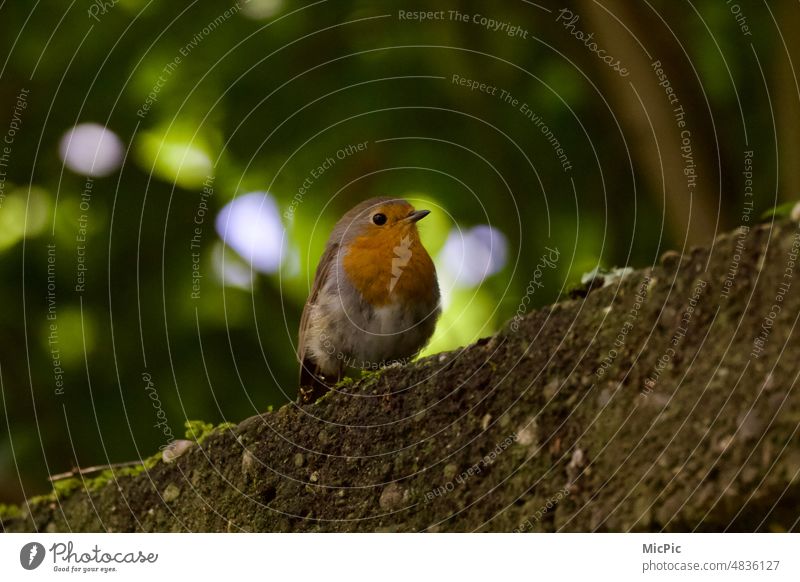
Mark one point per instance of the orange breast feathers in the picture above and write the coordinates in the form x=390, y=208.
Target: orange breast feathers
x=390, y=267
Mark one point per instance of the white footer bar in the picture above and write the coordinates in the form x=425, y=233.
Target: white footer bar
x=402, y=557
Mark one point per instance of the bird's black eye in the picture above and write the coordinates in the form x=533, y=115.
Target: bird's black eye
x=379, y=219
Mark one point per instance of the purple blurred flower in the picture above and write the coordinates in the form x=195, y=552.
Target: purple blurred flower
x=251, y=225
x=469, y=256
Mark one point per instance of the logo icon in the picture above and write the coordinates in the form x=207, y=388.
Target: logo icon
x=31, y=555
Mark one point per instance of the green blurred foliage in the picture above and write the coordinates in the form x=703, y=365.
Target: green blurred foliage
x=258, y=103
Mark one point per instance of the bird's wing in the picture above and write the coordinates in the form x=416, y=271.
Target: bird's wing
x=323, y=269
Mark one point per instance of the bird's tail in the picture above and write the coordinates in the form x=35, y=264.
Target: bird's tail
x=312, y=385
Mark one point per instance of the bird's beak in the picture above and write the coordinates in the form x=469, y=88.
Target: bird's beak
x=417, y=215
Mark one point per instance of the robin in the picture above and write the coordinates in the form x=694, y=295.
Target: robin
x=375, y=297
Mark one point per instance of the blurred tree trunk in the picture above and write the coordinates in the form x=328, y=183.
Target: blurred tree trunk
x=648, y=120
x=786, y=92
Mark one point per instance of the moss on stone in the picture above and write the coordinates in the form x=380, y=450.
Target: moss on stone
x=65, y=487
x=199, y=431
x=9, y=511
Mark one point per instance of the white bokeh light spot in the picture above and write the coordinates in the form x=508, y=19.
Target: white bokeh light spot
x=251, y=225
x=91, y=149
x=261, y=9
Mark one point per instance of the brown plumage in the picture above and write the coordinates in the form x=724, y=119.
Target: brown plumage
x=375, y=297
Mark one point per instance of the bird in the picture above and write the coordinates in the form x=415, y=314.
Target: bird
x=375, y=298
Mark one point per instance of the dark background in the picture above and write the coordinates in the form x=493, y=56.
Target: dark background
x=264, y=95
